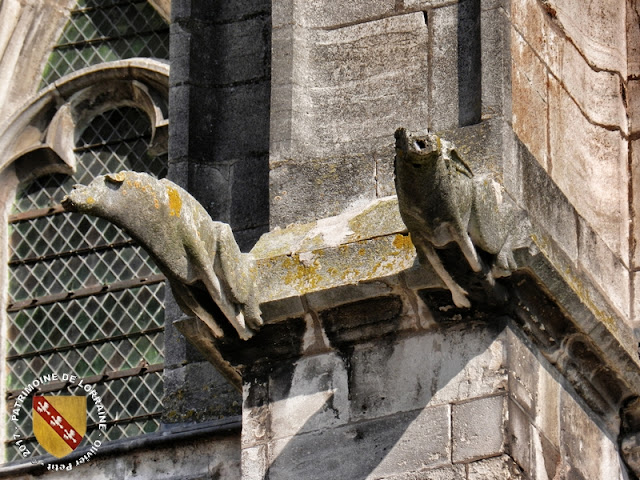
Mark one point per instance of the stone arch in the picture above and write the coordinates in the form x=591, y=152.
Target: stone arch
x=43, y=133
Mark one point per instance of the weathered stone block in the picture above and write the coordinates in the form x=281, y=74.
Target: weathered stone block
x=478, y=429
x=547, y=413
x=254, y=463
x=198, y=392
x=499, y=468
x=529, y=98
x=530, y=21
x=443, y=95
x=312, y=396
x=494, y=29
x=589, y=448
x=179, y=52
x=635, y=320
x=590, y=167
x=332, y=13
x=214, y=194
x=635, y=204
x=453, y=472
x=227, y=123
x=545, y=456
x=250, y=192
x=304, y=190
x=433, y=368
x=518, y=436
x=371, y=449
x=552, y=210
x=599, y=31
x=237, y=52
x=633, y=40
x=606, y=268
x=347, y=98
x=179, y=124
x=523, y=372
x=597, y=92
x=282, y=13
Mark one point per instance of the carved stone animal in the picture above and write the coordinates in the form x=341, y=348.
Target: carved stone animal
x=441, y=201
x=199, y=257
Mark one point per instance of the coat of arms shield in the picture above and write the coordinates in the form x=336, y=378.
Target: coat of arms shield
x=59, y=422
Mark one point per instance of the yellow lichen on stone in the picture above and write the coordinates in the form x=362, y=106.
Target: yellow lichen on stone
x=402, y=241
x=579, y=288
x=303, y=277
x=91, y=200
x=175, y=202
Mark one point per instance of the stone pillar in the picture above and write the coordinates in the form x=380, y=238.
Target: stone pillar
x=218, y=151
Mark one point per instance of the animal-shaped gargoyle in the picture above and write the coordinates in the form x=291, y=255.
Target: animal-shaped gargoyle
x=441, y=201
x=199, y=257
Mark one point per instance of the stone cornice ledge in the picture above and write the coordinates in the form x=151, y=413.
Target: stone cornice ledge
x=366, y=253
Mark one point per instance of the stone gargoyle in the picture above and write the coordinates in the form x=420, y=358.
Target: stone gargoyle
x=441, y=201
x=199, y=257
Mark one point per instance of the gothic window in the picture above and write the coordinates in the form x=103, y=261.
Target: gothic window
x=101, y=31
x=84, y=299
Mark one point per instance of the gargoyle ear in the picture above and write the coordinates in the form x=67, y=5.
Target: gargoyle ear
x=114, y=177
x=400, y=133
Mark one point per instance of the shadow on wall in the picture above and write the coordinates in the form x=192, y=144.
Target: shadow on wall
x=469, y=63
x=381, y=409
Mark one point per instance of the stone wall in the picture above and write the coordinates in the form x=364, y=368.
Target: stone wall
x=573, y=76
x=344, y=77
x=466, y=400
x=552, y=433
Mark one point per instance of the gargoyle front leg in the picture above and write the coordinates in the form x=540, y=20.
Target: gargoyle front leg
x=458, y=293
x=463, y=240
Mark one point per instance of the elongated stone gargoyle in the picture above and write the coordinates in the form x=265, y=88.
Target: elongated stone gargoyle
x=199, y=257
x=441, y=201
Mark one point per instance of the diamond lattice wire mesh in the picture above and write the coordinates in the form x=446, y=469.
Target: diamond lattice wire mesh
x=92, y=334
x=104, y=31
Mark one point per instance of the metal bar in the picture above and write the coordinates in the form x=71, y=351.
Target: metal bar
x=108, y=143
x=85, y=292
x=111, y=5
x=88, y=343
x=80, y=251
x=109, y=39
x=36, y=213
x=155, y=368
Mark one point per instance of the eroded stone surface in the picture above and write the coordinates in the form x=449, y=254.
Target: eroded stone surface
x=442, y=202
x=199, y=256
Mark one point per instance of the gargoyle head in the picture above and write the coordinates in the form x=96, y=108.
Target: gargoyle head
x=93, y=198
x=415, y=149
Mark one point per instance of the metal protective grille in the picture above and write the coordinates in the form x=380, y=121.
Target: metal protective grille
x=84, y=298
x=107, y=30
